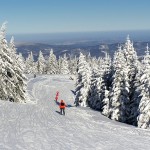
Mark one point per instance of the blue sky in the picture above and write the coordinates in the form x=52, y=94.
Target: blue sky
x=46, y=16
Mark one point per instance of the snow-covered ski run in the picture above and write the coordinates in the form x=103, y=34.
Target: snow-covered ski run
x=39, y=126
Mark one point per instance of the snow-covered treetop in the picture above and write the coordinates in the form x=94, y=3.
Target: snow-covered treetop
x=129, y=52
x=119, y=47
x=128, y=38
x=128, y=44
x=147, y=50
x=3, y=29
x=106, y=54
x=146, y=60
x=12, y=40
x=51, y=51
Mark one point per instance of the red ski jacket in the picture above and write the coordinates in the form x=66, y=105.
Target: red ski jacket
x=56, y=98
x=62, y=104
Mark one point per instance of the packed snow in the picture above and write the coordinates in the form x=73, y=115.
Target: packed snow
x=37, y=125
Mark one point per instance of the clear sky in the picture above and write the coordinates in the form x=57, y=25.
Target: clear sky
x=46, y=16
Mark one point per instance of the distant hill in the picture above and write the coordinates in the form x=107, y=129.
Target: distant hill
x=73, y=43
x=94, y=47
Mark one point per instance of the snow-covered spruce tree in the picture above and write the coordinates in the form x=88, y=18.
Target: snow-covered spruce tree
x=140, y=108
x=143, y=71
x=106, y=104
x=73, y=65
x=52, y=65
x=6, y=68
x=143, y=118
x=64, y=66
x=146, y=60
x=30, y=64
x=134, y=103
x=99, y=90
x=41, y=64
x=131, y=58
x=12, y=85
x=92, y=97
x=89, y=58
x=106, y=66
x=105, y=82
x=59, y=64
x=98, y=83
x=19, y=77
x=134, y=68
x=119, y=93
x=83, y=81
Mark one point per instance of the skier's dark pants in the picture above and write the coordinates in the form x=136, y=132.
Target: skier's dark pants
x=62, y=111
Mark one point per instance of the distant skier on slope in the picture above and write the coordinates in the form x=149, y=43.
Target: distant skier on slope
x=62, y=107
x=56, y=98
x=57, y=94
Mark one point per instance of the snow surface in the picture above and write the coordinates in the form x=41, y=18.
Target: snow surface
x=39, y=126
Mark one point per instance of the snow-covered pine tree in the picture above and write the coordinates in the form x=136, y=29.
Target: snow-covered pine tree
x=59, y=64
x=146, y=60
x=89, y=59
x=131, y=59
x=103, y=89
x=64, y=66
x=143, y=71
x=97, y=83
x=134, y=103
x=30, y=64
x=52, y=65
x=139, y=115
x=134, y=68
x=41, y=63
x=12, y=85
x=106, y=104
x=19, y=77
x=92, y=97
x=103, y=84
x=119, y=93
x=72, y=65
x=83, y=81
x=105, y=69
x=6, y=68
x=143, y=114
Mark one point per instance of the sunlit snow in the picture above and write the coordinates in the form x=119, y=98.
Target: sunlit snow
x=38, y=125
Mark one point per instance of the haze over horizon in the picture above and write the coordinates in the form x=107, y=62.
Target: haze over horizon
x=49, y=16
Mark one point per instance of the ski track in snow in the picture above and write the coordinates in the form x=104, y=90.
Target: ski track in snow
x=39, y=126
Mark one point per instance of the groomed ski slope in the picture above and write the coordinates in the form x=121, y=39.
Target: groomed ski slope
x=38, y=125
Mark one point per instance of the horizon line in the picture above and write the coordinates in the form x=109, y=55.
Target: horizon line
x=62, y=32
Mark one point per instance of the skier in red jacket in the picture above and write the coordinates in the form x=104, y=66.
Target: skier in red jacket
x=56, y=98
x=62, y=107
